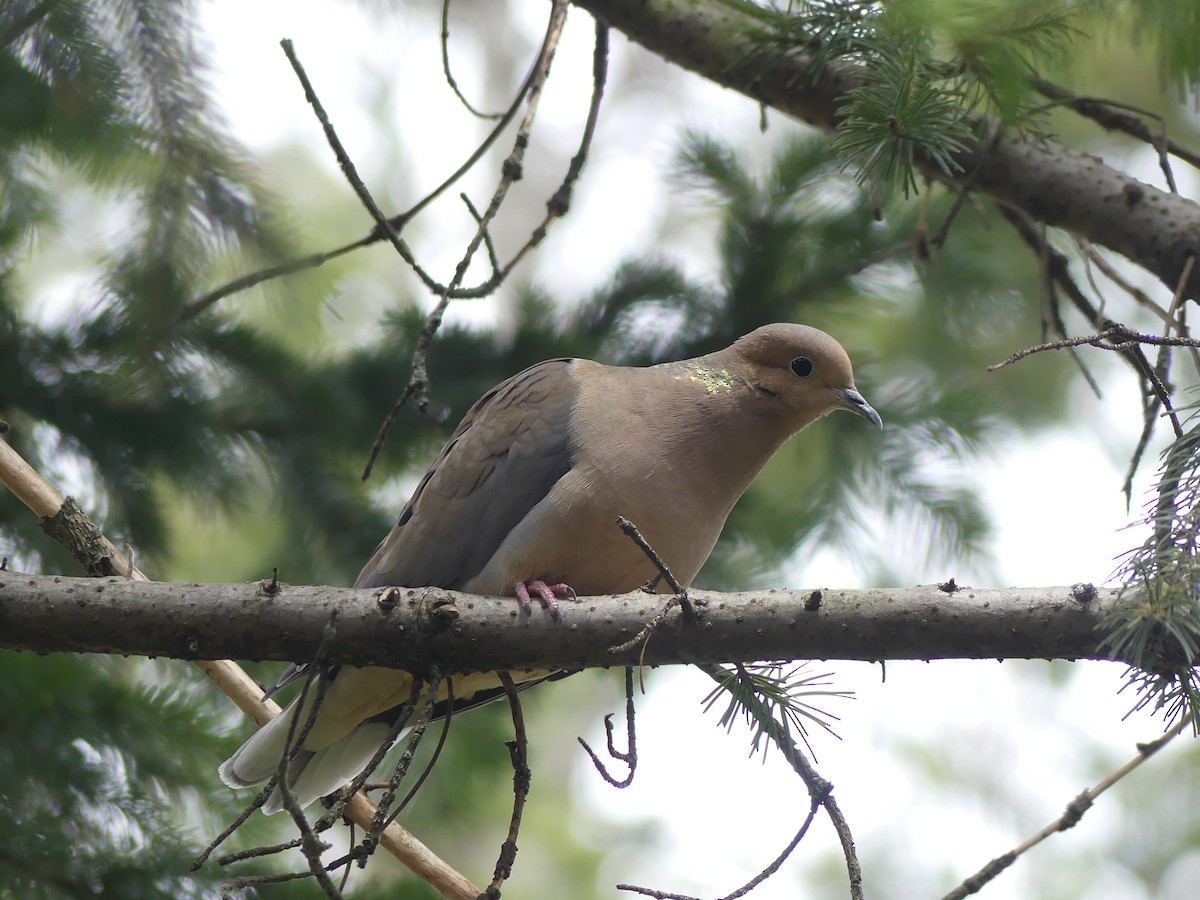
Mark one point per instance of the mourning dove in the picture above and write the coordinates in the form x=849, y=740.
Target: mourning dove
x=525, y=495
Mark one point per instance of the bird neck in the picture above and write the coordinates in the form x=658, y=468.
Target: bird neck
x=715, y=421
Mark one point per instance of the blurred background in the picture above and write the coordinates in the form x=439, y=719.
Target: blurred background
x=151, y=152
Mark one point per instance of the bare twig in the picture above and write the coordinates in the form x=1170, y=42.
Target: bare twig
x=445, y=38
x=1117, y=338
x=1070, y=817
x=433, y=757
x=1094, y=256
x=1177, y=308
x=782, y=857
x=820, y=794
x=311, y=847
x=657, y=895
x=636, y=536
x=963, y=193
x=757, y=879
x=382, y=223
x=1102, y=112
x=388, y=421
x=560, y=202
x=493, y=261
x=237, y=823
x=819, y=790
x=626, y=756
x=372, y=832
x=1056, y=267
x=679, y=598
x=511, y=172
x=518, y=750
x=382, y=816
x=199, y=305
x=250, y=852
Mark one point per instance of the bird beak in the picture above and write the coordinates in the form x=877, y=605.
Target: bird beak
x=857, y=403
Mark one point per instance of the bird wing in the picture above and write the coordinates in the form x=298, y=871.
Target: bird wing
x=510, y=449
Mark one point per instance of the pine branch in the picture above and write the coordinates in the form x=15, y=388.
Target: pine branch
x=727, y=42
x=408, y=628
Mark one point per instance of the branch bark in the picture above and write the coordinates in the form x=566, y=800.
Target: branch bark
x=728, y=43
x=411, y=628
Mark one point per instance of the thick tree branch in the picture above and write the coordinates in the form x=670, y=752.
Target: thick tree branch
x=412, y=628
x=732, y=45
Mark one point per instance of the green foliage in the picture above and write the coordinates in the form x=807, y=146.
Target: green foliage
x=1162, y=30
x=88, y=792
x=927, y=70
x=774, y=700
x=1157, y=629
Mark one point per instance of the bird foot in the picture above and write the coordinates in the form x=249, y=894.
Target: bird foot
x=547, y=595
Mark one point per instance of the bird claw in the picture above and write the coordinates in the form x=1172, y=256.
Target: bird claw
x=547, y=595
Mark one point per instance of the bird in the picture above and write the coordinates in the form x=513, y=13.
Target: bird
x=524, y=497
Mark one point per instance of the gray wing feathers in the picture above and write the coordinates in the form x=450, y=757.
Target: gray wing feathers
x=505, y=456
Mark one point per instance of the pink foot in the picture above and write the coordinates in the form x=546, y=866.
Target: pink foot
x=547, y=595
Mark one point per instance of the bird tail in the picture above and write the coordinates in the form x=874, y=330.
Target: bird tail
x=258, y=759
x=311, y=774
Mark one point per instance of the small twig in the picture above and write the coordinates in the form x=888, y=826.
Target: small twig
x=245, y=881
x=257, y=852
x=1092, y=255
x=511, y=172
x=382, y=223
x=447, y=718
x=445, y=39
x=626, y=756
x=253, y=279
x=754, y=882
x=963, y=193
x=388, y=421
x=1120, y=336
x=680, y=591
x=680, y=598
x=334, y=813
x=382, y=817
x=1100, y=111
x=237, y=823
x=199, y=305
x=1057, y=267
x=310, y=845
x=490, y=247
x=1070, y=817
x=657, y=895
x=819, y=790
x=1125, y=341
x=518, y=751
x=1177, y=307
x=1139, y=450
x=560, y=201
x=782, y=858
x=1181, y=285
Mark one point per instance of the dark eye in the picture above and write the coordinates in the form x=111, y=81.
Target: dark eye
x=802, y=366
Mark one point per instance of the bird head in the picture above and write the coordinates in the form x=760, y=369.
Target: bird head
x=803, y=370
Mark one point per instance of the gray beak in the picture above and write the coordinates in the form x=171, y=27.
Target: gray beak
x=857, y=403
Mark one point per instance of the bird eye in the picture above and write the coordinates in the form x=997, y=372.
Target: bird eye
x=802, y=366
